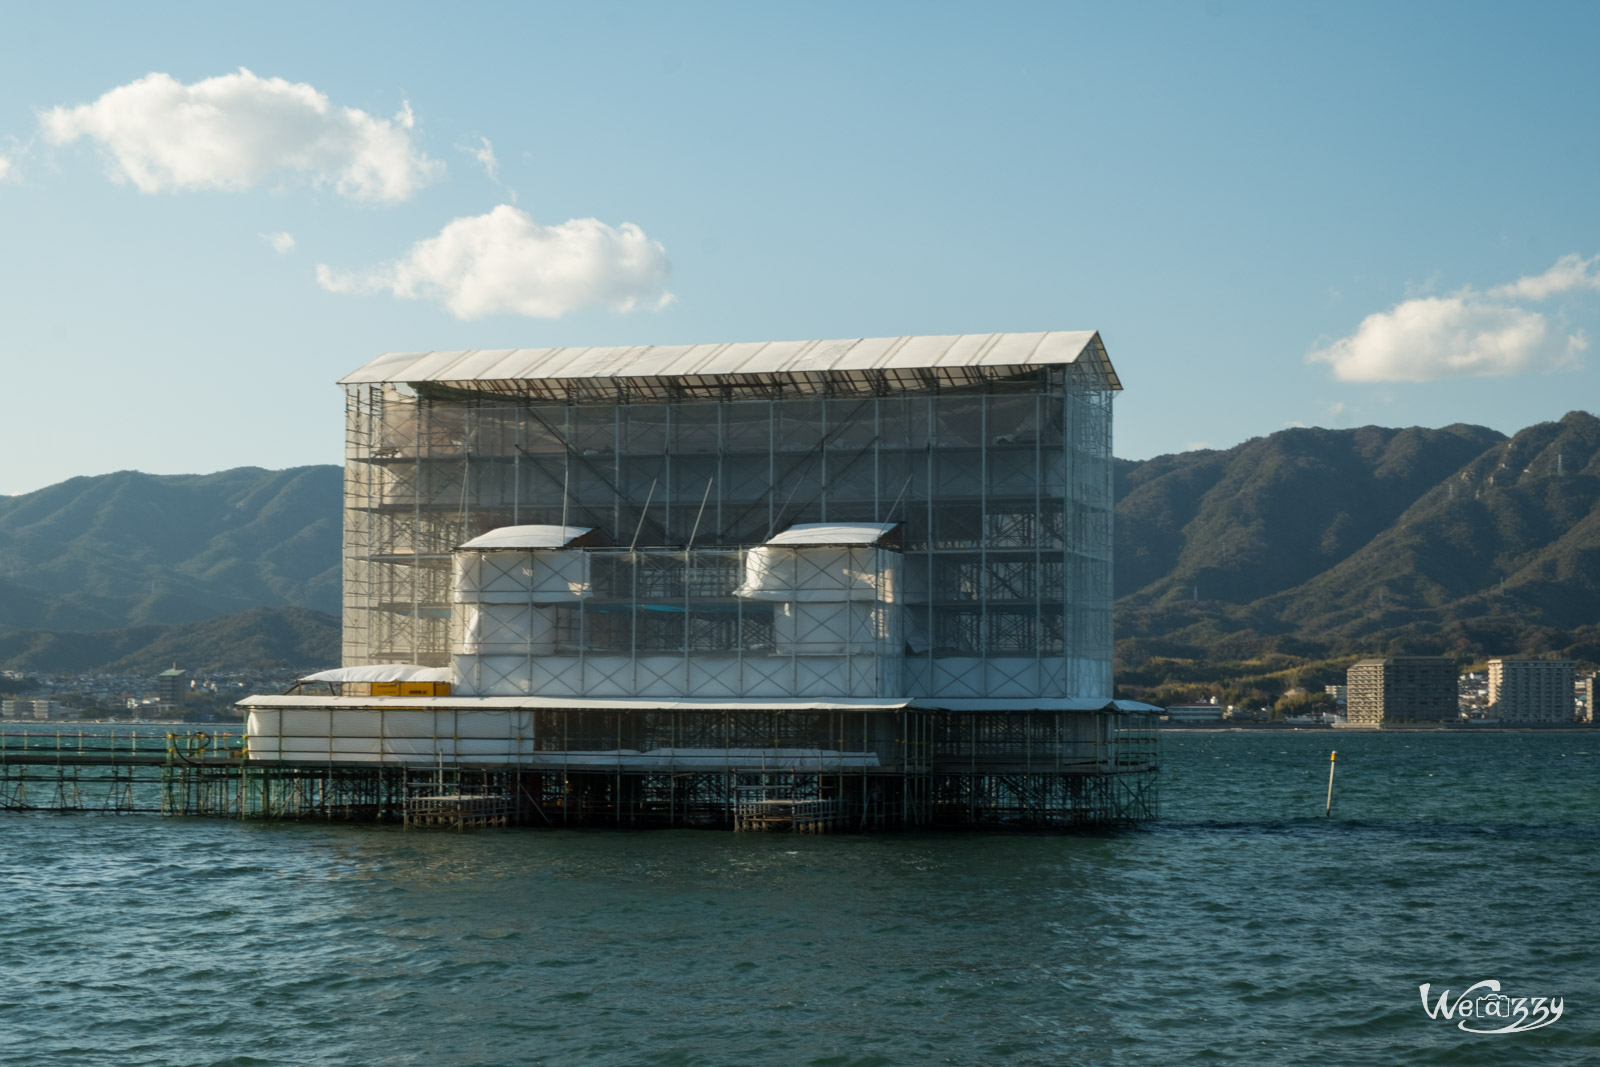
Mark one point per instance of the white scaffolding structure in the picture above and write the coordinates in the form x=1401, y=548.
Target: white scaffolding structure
x=989, y=454
x=857, y=583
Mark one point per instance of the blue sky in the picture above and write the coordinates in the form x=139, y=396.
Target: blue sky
x=1320, y=214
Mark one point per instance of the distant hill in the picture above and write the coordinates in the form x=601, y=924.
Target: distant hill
x=1285, y=556
x=258, y=638
x=129, y=548
x=1317, y=544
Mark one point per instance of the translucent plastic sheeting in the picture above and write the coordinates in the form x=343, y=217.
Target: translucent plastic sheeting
x=431, y=705
x=518, y=629
x=527, y=537
x=380, y=736
x=526, y=577
x=499, y=737
x=381, y=672
x=821, y=573
x=798, y=677
x=833, y=533
x=766, y=357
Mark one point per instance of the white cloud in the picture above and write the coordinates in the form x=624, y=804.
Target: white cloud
x=233, y=132
x=1570, y=272
x=485, y=156
x=1465, y=334
x=506, y=263
x=5, y=168
x=282, y=243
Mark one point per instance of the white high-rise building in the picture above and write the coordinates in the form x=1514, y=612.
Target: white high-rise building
x=1531, y=690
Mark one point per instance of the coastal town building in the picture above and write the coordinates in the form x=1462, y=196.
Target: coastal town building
x=1531, y=690
x=1584, y=692
x=36, y=709
x=172, y=687
x=1187, y=713
x=1401, y=689
x=707, y=584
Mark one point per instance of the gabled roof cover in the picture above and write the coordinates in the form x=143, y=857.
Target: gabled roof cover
x=866, y=363
x=382, y=672
x=834, y=533
x=513, y=537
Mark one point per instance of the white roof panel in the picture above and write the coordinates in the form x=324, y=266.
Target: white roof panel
x=1015, y=703
x=382, y=672
x=1021, y=350
x=833, y=533
x=512, y=537
x=456, y=703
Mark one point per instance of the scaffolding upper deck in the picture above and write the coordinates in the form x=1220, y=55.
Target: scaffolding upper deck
x=860, y=365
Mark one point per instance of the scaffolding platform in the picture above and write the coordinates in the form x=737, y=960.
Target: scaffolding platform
x=457, y=811
x=791, y=816
x=938, y=785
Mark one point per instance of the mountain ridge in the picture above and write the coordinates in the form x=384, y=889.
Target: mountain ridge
x=1306, y=545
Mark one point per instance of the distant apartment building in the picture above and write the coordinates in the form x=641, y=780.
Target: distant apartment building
x=1531, y=690
x=1339, y=693
x=1583, y=696
x=36, y=709
x=1194, y=713
x=172, y=686
x=1401, y=689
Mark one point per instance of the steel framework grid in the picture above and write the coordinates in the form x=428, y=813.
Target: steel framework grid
x=1004, y=491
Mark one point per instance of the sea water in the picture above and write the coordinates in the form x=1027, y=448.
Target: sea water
x=1244, y=927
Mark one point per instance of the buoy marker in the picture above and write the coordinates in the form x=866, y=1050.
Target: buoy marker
x=1332, y=758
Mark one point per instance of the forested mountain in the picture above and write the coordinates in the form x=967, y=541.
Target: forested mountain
x=1328, y=544
x=1288, y=554
x=118, y=549
x=258, y=638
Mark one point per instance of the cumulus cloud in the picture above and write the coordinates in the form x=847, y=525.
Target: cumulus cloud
x=5, y=168
x=506, y=263
x=235, y=131
x=282, y=243
x=1466, y=334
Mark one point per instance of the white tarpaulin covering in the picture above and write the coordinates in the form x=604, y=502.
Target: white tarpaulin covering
x=820, y=629
x=381, y=672
x=883, y=354
x=521, y=576
x=834, y=533
x=330, y=735
x=374, y=704
x=505, y=629
x=400, y=735
x=524, y=537
x=656, y=676
x=818, y=573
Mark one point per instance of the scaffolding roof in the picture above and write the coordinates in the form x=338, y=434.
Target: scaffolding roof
x=1030, y=704
x=455, y=703
x=528, y=537
x=382, y=672
x=866, y=364
x=458, y=703
x=834, y=533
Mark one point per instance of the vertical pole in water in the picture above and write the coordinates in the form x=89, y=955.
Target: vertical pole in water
x=1332, y=757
